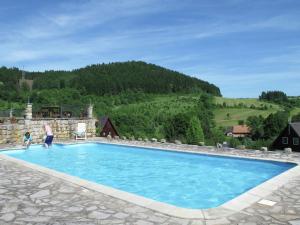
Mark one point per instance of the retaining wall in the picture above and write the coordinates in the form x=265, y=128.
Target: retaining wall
x=62, y=129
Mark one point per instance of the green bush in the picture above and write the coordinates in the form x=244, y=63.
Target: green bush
x=260, y=143
x=176, y=127
x=234, y=142
x=217, y=136
x=194, y=133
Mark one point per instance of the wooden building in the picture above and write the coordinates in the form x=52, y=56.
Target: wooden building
x=107, y=127
x=52, y=112
x=48, y=112
x=239, y=131
x=288, y=138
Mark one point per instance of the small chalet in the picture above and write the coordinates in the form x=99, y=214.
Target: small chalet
x=238, y=131
x=107, y=128
x=288, y=138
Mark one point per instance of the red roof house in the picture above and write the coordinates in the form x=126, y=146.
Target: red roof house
x=239, y=131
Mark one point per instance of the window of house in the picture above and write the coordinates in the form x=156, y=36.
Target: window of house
x=295, y=141
x=285, y=140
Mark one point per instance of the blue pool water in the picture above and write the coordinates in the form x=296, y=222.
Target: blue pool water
x=186, y=180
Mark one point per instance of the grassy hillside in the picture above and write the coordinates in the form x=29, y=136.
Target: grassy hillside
x=235, y=110
x=295, y=111
x=168, y=104
x=248, y=102
x=159, y=107
x=236, y=114
x=240, y=109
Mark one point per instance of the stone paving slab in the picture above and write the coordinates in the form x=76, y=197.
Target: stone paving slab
x=31, y=197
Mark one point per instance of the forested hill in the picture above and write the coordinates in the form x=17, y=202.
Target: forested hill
x=113, y=78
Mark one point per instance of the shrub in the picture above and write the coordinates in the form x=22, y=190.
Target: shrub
x=260, y=143
x=176, y=127
x=234, y=142
x=194, y=133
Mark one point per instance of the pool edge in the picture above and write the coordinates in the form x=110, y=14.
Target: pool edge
x=237, y=204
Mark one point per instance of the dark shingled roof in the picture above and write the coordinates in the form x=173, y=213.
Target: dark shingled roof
x=296, y=127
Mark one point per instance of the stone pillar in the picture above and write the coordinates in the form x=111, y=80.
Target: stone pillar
x=90, y=112
x=11, y=113
x=28, y=111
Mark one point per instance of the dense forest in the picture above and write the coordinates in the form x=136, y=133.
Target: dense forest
x=104, y=79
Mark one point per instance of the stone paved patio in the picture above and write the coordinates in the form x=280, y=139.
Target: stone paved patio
x=31, y=197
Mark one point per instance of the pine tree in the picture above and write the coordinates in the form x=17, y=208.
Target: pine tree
x=194, y=133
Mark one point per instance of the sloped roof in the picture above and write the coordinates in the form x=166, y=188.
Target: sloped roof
x=296, y=127
x=240, y=129
x=103, y=121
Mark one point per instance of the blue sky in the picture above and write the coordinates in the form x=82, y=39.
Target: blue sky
x=242, y=46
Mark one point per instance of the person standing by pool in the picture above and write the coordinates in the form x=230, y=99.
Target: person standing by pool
x=27, y=139
x=49, y=136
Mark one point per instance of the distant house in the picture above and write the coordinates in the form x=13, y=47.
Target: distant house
x=288, y=138
x=27, y=82
x=107, y=127
x=238, y=131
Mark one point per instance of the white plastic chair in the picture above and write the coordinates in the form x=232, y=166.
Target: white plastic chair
x=80, y=133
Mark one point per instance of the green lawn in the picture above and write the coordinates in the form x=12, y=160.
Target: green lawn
x=236, y=114
x=243, y=112
x=295, y=111
x=246, y=101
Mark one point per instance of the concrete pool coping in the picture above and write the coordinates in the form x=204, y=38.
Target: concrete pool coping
x=235, y=205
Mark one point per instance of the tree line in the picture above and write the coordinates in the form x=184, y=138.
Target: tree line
x=281, y=98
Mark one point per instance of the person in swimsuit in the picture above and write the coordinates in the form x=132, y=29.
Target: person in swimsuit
x=27, y=139
x=49, y=136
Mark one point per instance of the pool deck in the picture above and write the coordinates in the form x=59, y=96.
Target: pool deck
x=30, y=194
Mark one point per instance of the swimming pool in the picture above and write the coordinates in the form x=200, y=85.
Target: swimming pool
x=194, y=181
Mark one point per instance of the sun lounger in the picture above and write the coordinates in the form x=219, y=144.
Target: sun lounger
x=80, y=133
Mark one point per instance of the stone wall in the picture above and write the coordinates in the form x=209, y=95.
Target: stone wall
x=62, y=129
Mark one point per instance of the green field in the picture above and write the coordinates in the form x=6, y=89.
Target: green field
x=230, y=115
x=236, y=114
x=295, y=111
